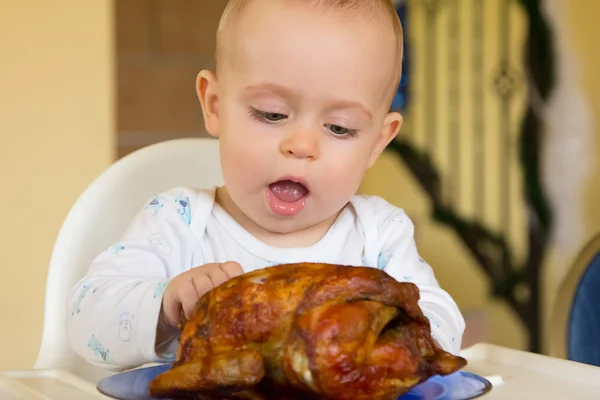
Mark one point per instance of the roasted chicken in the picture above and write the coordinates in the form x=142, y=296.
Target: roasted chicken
x=305, y=331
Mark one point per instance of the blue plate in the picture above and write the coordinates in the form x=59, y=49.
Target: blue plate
x=133, y=385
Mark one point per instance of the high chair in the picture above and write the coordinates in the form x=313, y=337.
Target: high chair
x=99, y=217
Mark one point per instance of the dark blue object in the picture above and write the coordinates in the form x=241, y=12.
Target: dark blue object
x=133, y=385
x=583, y=343
x=401, y=98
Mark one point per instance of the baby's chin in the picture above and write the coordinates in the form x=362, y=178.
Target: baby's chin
x=306, y=227
x=296, y=226
x=287, y=226
x=283, y=225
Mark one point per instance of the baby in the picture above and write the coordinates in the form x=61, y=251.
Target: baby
x=300, y=103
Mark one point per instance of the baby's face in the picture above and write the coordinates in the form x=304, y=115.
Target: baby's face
x=301, y=108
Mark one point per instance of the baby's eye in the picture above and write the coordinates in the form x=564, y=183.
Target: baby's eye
x=274, y=116
x=266, y=116
x=340, y=131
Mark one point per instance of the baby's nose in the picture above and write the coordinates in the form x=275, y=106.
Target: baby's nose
x=301, y=144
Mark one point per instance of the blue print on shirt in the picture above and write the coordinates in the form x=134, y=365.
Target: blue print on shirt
x=183, y=208
x=98, y=350
x=125, y=326
x=155, y=205
x=382, y=261
x=160, y=289
x=77, y=304
x=116, y=248
x=433, y=321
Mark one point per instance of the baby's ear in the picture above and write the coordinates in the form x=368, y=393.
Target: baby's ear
x=206, y=88
x=389, y=130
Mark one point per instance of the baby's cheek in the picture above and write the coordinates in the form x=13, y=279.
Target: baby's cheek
x=341, y=181
x=243, y=164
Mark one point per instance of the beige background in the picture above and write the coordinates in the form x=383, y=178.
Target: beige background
x=57, y=130
x=58, y=121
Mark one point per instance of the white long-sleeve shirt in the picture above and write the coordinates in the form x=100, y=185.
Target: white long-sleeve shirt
x=112, y=312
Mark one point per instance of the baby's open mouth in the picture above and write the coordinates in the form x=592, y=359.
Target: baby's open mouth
x=287, y=198
x=288, y=191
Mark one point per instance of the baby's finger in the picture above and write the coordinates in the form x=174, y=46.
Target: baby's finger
x=217, y=275
x=231, y=269
x=189, y=297
x=171, y=309
x=201, y=284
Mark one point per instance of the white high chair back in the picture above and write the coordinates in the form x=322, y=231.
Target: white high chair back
x=99, y=217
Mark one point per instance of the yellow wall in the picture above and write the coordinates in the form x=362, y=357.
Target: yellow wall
x=56, y=126
x=583, y=28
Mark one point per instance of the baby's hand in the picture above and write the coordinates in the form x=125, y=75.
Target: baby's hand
x=184, y=291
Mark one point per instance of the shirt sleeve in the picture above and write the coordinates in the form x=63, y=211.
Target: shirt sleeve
x=398, y=256
x=112, y=312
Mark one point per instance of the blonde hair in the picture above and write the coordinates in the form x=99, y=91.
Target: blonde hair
x=353, y=8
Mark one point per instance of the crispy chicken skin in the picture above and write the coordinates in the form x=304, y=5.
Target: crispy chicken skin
x=305, y=331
